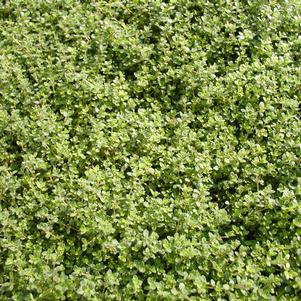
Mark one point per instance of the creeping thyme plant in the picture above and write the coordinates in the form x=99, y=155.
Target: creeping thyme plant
x=150, y=150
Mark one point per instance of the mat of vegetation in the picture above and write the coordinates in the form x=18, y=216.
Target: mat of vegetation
x=150, y=150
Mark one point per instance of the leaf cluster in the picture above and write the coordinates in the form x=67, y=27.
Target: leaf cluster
x=150, y=150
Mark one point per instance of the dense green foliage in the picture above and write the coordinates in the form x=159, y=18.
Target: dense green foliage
x=150, y=150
